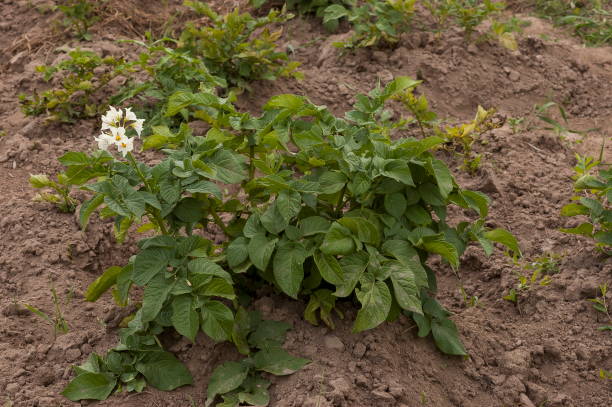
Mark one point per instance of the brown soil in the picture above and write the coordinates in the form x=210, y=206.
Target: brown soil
x=548, y=352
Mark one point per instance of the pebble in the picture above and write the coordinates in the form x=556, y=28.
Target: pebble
x=526, y=402
x=333, y=342
x=359, y=350
x=73, y=354
x=11, y=388
x=361, y=381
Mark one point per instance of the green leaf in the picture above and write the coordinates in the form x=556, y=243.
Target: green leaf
x=225, y=378
x=163, y=371
x=218, y=287
x=332, y=182
x=288, y=267
x=314, y=225
x=237, y=252
x=334, y=12
x=574, y=209
x=103, y=283
x=185, y=318
x=269, y=334
x=437, y=244
x=399, y=171
x=205, y=187
x=189, y=210
x=289, y=204
x=272, y=220
x=446, y=337
x=229, y=168
x=338, y=241
x=365, y=230
x=375, y=299
x=260, y=250
x=353, y=267
x=148, y=263
x=155, y=294
x=407, y=285
x=443, y=177
x=90, y=386
x=87, y=208
x=255, y=392
x=287, y=101
x=584, y=229
x=207, y=267
x=217, y=320
x=504, y=237
x=329, y=268
x=278, y=362
x=395, y=204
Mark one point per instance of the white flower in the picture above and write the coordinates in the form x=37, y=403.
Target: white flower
x=137, y=125
x=104, y=141
x=112, y=118
x=129, y=115
x=125, y=145
x=117, y=134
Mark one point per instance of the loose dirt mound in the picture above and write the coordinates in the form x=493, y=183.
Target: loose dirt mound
x=548, y=352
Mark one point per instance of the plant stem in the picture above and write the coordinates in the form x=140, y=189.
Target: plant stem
x=154, y=213
x=218, y=221
x=340, y=201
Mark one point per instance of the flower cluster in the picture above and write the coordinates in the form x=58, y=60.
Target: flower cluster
x=114, y=125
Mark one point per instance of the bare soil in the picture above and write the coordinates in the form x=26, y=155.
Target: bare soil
x=547, y=352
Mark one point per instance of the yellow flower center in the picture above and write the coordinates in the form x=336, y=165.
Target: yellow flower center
x=123, y=145
x=117, y=138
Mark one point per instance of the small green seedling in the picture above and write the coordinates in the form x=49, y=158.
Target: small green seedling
x=534, y=274
x=79, y=16
x=58, y=322
x=515, y=124
x=593, y=194
x=62, y=188
x=600, y=304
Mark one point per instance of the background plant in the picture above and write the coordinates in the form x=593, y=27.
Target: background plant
x=600, y=304
x=468, y=14
x=79, y=80
x=79, y=16
x=374, y=22
x=238, y=47
x=589, y=20
x=316, y=7
x=592, y=199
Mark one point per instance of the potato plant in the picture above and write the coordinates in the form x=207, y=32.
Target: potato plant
x=331, y=206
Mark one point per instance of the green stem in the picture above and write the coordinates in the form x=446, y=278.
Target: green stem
x=340, y=201
x=218, y=221
x=251, y=162
x=154, y=213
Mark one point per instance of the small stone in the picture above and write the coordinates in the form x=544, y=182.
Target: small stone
x=361, y=381
x=317, y=401
x=73, y=354
x=514, y=76
x=359, y=350
x=525, y=401
x=12, y=388
x=383, y=396
x=341, y=389
x=333, y=342
x=14, y=309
